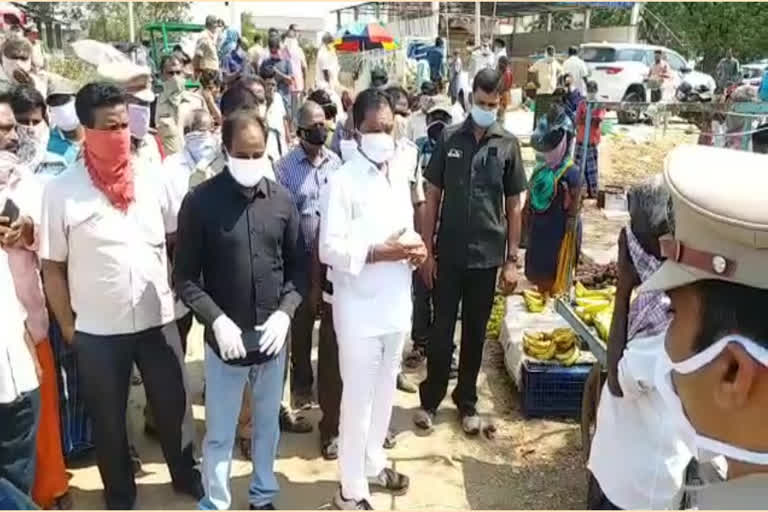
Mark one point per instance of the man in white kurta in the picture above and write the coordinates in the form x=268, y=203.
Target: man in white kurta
x=367, y=237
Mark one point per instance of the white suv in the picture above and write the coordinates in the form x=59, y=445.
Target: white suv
x=621, y=71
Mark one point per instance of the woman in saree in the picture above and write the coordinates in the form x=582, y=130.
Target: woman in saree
x=553, y=202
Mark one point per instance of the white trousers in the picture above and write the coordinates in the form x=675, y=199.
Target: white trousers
x=369, y=368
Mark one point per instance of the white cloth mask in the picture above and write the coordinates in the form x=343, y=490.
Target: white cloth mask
x=377, y=147
x=138, y=120
x=64, y=116
x=201, y=146
x=248, y=172
x=348, y=149
x=696, y=442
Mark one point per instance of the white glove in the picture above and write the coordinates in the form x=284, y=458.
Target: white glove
x=229, y=337
x=275, y=331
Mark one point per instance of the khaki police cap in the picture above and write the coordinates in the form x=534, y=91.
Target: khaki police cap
x=135, y=79
x=440, y=103
x=721, y=218
x=57, y=84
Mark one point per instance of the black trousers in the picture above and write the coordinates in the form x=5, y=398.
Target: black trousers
x=596, y=500
x=474, y=288
x=301, y=349
x=105, y=364
x=18, y=435
x=422, y=313
x=328, y=376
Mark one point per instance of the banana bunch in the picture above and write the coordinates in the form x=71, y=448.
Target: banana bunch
x=534, y=301
x=591, y=303
x=560, y=344
x=602, y=322
x=583, y=292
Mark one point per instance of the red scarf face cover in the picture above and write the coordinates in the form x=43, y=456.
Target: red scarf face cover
x=108, y=160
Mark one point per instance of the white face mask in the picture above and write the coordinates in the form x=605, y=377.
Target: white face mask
x=201, y=146
x=377, y=147
x=138, y=120
x=348, y=149
x=65, y=117
x=11, y=65
x=696, y=442
x=248, y=172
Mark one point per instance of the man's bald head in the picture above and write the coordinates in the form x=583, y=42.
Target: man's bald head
x=311, y=114
x=200, y=120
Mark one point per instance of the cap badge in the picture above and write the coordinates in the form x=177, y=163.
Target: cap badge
x=719, y=264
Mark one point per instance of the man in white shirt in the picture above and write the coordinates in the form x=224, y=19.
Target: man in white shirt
x=367, y=237
x=327, y=67
x=481, y=58
x=548, y=70
x=637, y=461
x=103, y=246
x=19, y=385
x=578, y=70
x=19, y=389
x=276, y=117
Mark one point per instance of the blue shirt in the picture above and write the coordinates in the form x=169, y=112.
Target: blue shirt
x=435, y=58
x=304, y=180
x=61, y=154
x=59, y=145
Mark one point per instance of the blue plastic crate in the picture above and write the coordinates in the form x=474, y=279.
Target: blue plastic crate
x=552, y=391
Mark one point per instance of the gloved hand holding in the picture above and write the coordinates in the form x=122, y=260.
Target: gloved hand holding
x=229, y=337
x=275, y=331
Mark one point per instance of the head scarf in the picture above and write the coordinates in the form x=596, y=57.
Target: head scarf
x=551, y=140
x=228, y=43
x=649, y=311
x=33, y=144
x=108, y=160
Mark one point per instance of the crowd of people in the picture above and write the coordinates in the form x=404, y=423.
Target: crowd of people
x=255, y=205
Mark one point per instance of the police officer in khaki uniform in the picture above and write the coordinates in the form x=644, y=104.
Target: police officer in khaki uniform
x=713, y=375
x=136, y=81
x=475, y=178
x=174, y=105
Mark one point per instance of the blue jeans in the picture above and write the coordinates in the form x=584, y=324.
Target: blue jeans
x=18, y=435
x=223, y=397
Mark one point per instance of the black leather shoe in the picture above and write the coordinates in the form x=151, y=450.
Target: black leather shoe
x=268, y=506
x=191, y=487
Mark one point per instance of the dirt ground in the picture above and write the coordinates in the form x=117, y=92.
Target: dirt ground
x=531, y=464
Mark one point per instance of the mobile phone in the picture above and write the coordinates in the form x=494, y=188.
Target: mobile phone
x=10, y=210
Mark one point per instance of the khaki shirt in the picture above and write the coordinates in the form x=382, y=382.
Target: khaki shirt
x=745, y=493
x=170, y=116
x=208, y=57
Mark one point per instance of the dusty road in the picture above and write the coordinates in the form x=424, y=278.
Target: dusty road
x=530, y=464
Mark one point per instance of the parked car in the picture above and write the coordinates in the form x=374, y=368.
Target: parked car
x=752, y=74
x=621, y=72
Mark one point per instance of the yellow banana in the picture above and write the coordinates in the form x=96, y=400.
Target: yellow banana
x=538, y=345
x=549, y=354
x=532, y=294
x=566, y=355
x=579, y=289
x=574, y=357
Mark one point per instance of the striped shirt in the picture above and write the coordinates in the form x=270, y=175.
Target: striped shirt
x=304, y=180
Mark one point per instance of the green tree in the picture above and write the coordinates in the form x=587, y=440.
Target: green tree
x=107, y=21
x=708, y=29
